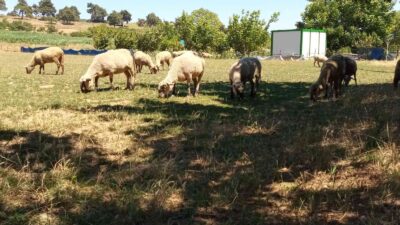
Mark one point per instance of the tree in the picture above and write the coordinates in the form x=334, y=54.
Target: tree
x=202, y=30
x=22, y=8
x=350, y=23
x=3, y=6
x=141, y=22
x=274, y=18
x=152, y=19
x=35, y=10
x=126, y=16
x=115, y=18
x=246, y=33
x=97, y=13
x=300, y=25
x=69, y=14
x=46, y=8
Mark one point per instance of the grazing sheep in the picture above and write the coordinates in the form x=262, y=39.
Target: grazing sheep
x=331, y=76
x=187, y=67
x=107, y=64
x=48, y=55
x=143, y=59
x=351, y=70
x=162, y=58
x=246, y=69
x=319, y=59
x=396, y=75
x=178, y=53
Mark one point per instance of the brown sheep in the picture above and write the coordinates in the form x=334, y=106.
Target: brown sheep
x=48, y=55
x=396, y=78
x=330, y=77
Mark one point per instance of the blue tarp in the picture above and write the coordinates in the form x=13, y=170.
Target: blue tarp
x=377, y=53
x=66, y=51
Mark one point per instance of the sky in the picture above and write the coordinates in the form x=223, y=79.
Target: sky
x=290, y=10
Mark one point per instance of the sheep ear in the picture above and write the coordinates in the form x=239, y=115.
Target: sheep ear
x=321, y=87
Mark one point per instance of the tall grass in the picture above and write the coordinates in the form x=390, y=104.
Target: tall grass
x=42, y=38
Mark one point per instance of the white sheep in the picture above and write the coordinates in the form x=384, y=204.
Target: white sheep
x=143, y=59
x=162, y=58
x=48, y=55
x=178, y=53
x=206, y=55
x=107, y=64
x=319, y=59
x=187, y=67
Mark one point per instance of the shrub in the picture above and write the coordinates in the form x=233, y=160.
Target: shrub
x=51, y=28
x=80, y=34
x=20, y=26
x=41, y=29
x=125, y=38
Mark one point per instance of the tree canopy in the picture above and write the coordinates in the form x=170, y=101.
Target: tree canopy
x=3, y=6
x=126, y=16
x=115, y=18
x=97, y=13
x=246, y=32
x=152, y=19
x=22, y=8
x=46, y=8
x=350, y=23
x=69, y=14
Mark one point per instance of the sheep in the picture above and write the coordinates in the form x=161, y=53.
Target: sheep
x=107, y=64
x=141, y=59
x=206, y=55
x=187, y=67
x=246, y=69
x=162, y=58
x=319, y=59
x=331, y=76
x=178, y=53
x=48, y=55
x=351, y=70
x=396, y=78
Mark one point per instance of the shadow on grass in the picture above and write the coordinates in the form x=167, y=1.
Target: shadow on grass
x=223, y=159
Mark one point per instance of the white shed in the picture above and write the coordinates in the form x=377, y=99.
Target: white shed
x=301, y=42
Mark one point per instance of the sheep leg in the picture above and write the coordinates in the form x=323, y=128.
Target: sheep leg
x=130, y=80
x=355, y=78
x=62, y=64
x=189, y=88
x=233, y=91
x=40, y=68
x=252, y=93
x=196, y=84
x=241, y=94
x=58, y=64
x=174, y=90
x=96, y=82
x=111, y=81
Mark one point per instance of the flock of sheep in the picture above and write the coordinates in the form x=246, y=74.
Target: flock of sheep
x=188, y=66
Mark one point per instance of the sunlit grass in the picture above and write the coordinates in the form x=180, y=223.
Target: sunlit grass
x=128, y=157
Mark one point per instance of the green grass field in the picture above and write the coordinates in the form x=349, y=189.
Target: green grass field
x=34, y=38
x=128, y=157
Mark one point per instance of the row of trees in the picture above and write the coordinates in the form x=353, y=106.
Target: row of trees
x=354, y=24
x=200, y=30
x=67, y=15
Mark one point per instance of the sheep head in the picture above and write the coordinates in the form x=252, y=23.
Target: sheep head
x=315, y=91
x=29, y=69
x=154, y=70
x=165, y=89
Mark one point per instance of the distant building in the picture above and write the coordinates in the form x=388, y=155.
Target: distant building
x=304, y=43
